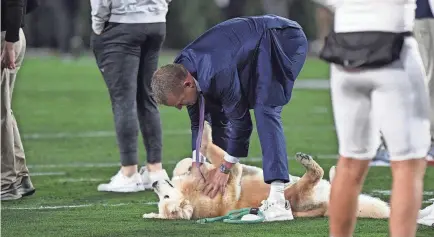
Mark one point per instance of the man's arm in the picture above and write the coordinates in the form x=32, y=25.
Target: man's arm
x=237, y=111
x=13, y=17
x=100, y=14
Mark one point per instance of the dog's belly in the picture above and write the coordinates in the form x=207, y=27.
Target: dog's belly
x=321, y=192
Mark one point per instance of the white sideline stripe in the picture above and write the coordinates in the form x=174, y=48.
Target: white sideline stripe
x=75, y=206
x=106, y=205
x=169, y=162
x=93, y=134
x=72, y=180
x=389, y=192
x=90, y=134
x=48, y=173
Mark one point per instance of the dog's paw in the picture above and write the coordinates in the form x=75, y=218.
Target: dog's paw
x=303, y=158
x=150, y=215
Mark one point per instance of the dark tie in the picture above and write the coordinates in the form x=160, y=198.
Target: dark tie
x=200, y=132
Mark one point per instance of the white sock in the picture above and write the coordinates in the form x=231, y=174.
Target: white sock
x=277, y=191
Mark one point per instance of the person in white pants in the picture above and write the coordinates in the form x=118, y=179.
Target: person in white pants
x=424, y=33
x=369, y=96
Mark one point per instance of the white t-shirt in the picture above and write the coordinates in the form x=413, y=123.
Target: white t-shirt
x=373, y=15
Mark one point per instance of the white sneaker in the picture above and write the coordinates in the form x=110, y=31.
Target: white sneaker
x=273, y=211
x=123, y=184
x=426, y=216
x=428, y=221
x=148, y=178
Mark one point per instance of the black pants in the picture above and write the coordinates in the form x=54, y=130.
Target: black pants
x=127, y=55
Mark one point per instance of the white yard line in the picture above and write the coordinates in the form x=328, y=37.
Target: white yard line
x=89, y=134
x=77, y=180
x=389, y=192
x=169, y=162
x=48, y=173
x=111, y=133
x=76, y=206
x=384, y=192
x=97, y=134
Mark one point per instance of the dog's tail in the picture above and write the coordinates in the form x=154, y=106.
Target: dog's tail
x=372, y=207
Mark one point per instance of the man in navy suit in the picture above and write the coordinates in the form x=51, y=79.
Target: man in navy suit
x=240, y=64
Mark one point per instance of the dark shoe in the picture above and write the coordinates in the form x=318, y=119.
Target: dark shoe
x=25, y=188
x=11, y=194
x=382, y=158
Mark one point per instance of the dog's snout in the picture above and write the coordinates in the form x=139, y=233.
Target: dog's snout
x=154, y=184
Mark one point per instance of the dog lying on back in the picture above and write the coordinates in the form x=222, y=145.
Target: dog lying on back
x=181, y=197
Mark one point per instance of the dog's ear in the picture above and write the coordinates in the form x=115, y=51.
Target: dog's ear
x=180, y=210
x=172, y=208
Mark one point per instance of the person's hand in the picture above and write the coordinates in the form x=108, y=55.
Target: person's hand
x=215, y=182
x=8, y=56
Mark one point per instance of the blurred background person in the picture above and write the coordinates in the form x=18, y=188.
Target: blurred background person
x=424, y=34
x=126, y=42
x=323, y=18
x=15, y=178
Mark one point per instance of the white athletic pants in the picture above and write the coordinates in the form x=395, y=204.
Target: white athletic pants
x=424, y=34
x=393, y=100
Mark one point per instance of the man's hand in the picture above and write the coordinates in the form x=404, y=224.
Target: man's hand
x=8, y=56
x=215, y=182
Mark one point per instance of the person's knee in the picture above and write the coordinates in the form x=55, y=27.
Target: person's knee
x=147, y=104
x=410, y=169
x=353, y=170
x=267, y=111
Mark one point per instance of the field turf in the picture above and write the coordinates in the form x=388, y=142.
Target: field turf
x=65, y=119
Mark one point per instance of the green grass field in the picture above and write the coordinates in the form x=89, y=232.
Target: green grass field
x=65, y=119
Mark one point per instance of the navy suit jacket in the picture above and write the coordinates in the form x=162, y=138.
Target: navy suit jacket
x=238, y=64
x=423, y=9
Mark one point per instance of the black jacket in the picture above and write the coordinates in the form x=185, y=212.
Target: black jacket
x=12, y=16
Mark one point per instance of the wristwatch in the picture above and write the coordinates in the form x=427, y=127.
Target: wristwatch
x=224, y=169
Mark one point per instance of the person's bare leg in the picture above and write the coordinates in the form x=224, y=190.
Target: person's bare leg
x=406, y=199
x=346, y=187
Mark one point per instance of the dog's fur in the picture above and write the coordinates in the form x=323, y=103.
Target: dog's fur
x=181, y=198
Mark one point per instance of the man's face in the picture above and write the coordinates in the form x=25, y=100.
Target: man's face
x=187, y=97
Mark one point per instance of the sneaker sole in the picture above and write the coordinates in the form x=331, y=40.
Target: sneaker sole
x=27, y=192
x=11, y=198
x=281, y=218
x=149, y=188
x=121, y=190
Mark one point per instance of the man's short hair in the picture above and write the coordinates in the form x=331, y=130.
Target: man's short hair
x=168, y=80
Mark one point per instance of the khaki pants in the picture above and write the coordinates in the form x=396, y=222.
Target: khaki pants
x=13, y=163
x=424, y=34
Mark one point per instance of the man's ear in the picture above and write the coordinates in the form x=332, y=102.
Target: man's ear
x=189, y=81
x=189, y=84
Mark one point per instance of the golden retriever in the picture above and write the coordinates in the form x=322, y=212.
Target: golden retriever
x=181, y=197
